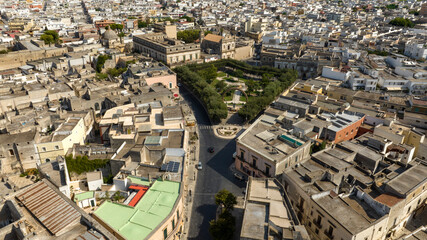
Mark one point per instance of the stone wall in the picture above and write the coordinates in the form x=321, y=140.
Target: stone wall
x=20, y=58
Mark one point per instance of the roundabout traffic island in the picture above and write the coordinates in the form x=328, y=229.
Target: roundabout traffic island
x=227, y=131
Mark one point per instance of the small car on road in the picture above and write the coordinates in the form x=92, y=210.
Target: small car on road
x=239, y=176
x=199, y=166
x=211, y=149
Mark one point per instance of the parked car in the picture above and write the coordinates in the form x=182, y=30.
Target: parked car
x=199, y=166
x=211, y=150
x=239, y=176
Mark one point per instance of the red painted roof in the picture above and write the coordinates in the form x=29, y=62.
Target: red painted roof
x=141, y=191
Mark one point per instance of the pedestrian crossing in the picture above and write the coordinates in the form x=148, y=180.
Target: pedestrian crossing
x=205, y=127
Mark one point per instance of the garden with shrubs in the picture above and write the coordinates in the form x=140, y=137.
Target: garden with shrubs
x=264, y=84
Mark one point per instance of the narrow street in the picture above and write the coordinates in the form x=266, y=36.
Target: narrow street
x=214, y=176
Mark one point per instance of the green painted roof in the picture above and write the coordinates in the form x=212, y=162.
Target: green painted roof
x=82, y=196
x=138, y=222
x=139, y=181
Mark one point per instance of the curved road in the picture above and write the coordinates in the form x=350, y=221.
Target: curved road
x=215, y=175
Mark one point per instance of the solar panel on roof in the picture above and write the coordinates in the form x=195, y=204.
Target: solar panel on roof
x=170, y=166
x=175, y=167
x=164, y=166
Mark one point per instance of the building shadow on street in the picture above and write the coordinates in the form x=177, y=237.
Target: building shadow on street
x=208, y=213
x=222, y=161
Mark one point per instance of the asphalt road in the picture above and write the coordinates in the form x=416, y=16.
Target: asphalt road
x=215, y=175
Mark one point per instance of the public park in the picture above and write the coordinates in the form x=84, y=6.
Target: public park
x=229, y=88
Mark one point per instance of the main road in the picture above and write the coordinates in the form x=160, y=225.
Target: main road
x=215, y=175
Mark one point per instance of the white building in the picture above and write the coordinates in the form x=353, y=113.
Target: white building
x=334, y=73
x=359, y=80
x=391, y=81
x=416, y=50
x=94, y=180
x=417, y=86
x=397, y=60
x=85, y=199
x=274, y=38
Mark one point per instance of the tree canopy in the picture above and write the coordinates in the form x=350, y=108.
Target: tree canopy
x=48, y=39
x=187, y=18
x=117, y=27
x=197, y=78
x=100, y=62
x=188, y=36
x=378, y=52
x=392, y=6
x=209, y=74
x=402, y=22
x=115, y=72
x=206, y=93
x=50, y=36
x=226, y=199
x=415, y=12
x=223, y=228
x=144, y=24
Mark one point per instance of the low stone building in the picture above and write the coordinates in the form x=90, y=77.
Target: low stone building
x=350, y=192
x=267, y=203
x=18, y=151
x=168, y=50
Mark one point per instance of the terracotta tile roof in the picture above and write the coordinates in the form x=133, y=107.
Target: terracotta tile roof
x=213, y=38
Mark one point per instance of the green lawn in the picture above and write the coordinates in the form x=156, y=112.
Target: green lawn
x=228, y=98
x=243, y=98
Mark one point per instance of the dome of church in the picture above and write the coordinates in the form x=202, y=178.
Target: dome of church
x=110, y=35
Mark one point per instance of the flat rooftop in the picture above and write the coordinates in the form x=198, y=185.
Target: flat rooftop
x=264, y=204
x=342, y=120
x=343, y=213
x=409, y=179
x=139, y=221
x=271, y=141
x=55, y=172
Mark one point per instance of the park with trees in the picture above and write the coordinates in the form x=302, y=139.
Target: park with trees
x=210, y=83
